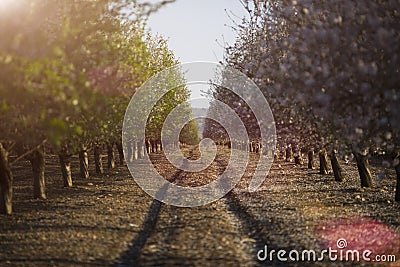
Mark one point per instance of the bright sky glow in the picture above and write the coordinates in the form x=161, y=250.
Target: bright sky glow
x=197, y=30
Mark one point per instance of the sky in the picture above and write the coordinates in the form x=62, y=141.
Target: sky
x=193, y=27
x=197, y=30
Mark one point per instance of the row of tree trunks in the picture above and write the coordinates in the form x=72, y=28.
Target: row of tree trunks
x=136, y=150
x=296, y=154
x=362, y=166
x=6, y=181
x=153, y=146
x=255, y=147
x=240, y=145
x=37, y=160
x=361, y=160
x=65, y=162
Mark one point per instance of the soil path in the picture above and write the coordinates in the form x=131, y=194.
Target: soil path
x=109, y=221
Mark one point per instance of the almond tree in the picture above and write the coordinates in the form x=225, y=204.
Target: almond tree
x=256, y=53
x=45, y=61
x=343, y=61
x=334, y=64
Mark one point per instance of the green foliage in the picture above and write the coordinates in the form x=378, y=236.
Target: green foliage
x=189, y=134
x=69, y=69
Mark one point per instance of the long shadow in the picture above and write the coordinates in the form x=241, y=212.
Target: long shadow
x=259, y=230
x=130, y=256
x=255, y=229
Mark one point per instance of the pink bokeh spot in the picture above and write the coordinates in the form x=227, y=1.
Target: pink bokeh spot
x=361, y=233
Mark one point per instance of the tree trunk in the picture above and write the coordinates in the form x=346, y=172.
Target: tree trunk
x=97, y=159
x=297, y=157
x=110, y=156
x=276, y=155
x=157, y=147
x=65, y=163
x=140, y=149
x=120, y=153
x=397, y=198
x=310, y=159
x=337, y=169
x=323, y=162
x=38, y=166
x=363, y=170
x=84, y=162
x=297, y=160
x=6, y=180
x=129, y=152
x=289, y=154
x=151, y=147
x=257, y=148
x=148, y=147
x=135, y=152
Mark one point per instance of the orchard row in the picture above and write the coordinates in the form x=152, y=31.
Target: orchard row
x=330, y=72
x=68, y=71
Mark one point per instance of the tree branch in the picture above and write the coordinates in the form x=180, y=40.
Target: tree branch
x=28, y=153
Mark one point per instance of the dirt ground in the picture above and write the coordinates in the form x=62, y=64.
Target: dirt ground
x=108, y=220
